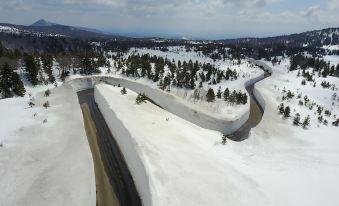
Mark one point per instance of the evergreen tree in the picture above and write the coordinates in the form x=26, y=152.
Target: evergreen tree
x=47, y=93
x=233, y=97
x=219, y=93
x=281, y=108
x=47, y=64
x=226, y=94
x=336, y=123
x=296, y=119
x=287, y=112
x=306, y=122
x=244, y=98
x=123, y=91
x=140, y=98
x=18, y=86
x=46, y=104
x=6, y=81
x=32, y=69
x=210, y=96
x=192, y=83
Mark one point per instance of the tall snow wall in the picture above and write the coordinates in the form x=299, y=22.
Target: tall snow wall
x=171, y=103
x=127, y=147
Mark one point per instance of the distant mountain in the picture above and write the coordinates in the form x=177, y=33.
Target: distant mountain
x=43, y=22
x=45, y=28
x=51, y=37
x=317, y=38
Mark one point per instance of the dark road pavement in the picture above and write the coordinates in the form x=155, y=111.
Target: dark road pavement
x=113, y=159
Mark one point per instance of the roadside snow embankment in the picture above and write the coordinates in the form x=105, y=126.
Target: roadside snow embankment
x=45, y=158
x=172, y=161
x=174, y=104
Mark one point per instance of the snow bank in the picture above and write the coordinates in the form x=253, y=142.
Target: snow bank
x=127, y=146
x=261, y=63
x=173, y=103
x=45, y=163
x=173, y=162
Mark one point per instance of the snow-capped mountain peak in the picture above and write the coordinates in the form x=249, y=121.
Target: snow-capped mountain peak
x=43, y=22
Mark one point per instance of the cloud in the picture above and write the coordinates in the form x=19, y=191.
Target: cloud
x=311, y=11
x=15, y=5
x=206, y=18
x=333, y=4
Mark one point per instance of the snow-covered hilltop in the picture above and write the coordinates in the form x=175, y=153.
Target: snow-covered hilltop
x=10, y=29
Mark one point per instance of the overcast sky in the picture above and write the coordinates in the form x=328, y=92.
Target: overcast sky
x=194, y=18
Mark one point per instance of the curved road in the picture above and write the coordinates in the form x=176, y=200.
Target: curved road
x=256, y=113
x=113, y=160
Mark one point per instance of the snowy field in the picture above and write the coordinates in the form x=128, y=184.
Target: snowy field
x=280, y=164
x=45, y=163
x=173, y=161
x=246, y=71
x=290, y=165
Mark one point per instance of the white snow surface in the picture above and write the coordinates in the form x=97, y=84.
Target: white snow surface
x=174, y=104
x=45, y=163
x=279, y=164
x=291, y=165
x=246, y=72
x=333, y=59
x=331, y=47
x=172, y=162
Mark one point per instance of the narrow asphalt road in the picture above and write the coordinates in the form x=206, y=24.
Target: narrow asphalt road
x=104, y=190
x=256, y=114
x=114, y=161
x=112, y=157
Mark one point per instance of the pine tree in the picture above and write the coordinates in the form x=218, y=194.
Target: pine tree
x=6, y=81
x=296, y=119
x=210, y=96
x=226, y=94
x=192, y=83
x=47, y=64
x=47, y=93
x=336, y=123
x=219, y=93
x=244, y=98
x=123, y=91
x=140, y=98
x=281, y=108
x=233, y=97
x=306, y=122
x=18, y=86
x=32, y=69
x=287, y=112
x=46, y=104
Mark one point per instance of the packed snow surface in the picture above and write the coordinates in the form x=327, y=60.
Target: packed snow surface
x=45, y=163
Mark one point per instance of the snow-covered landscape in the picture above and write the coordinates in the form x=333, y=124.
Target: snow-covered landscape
x=43, y=151
x=99, y=116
